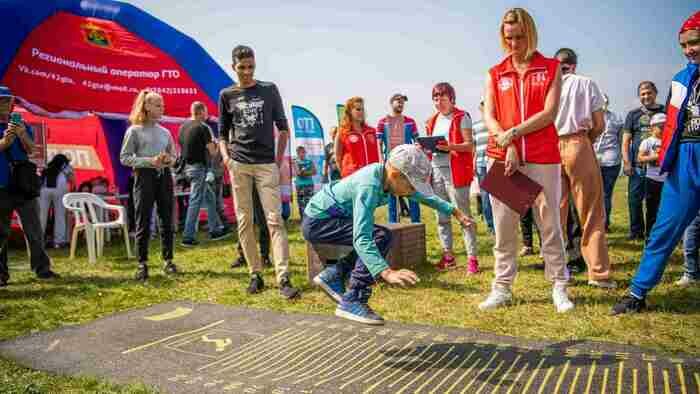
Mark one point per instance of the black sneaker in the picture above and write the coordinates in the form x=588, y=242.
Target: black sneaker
x=4, y=278
x=287, y=290
x=47, y=275
x=239, y=262
x=577, y=266
x=628, y=304
x=219, y=235
x=256, y=284
x=169, y=268
x=189, y=243
x=266, y=262
x=141, y=273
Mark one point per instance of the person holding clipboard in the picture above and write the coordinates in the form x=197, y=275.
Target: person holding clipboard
x=521, y=102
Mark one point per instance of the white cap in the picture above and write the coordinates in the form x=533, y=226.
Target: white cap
x=658, y=119
x=414, y=165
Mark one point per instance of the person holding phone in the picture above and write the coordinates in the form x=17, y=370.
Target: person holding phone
x=150, y=150
x=453, y=171
x=16, y=142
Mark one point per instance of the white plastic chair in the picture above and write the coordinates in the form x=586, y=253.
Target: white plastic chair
x=84, y=207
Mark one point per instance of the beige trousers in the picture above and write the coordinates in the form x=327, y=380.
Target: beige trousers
x=581, y=176
x=546, y=214
x=267, y=180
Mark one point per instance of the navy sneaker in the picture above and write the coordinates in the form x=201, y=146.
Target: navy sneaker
x=353, y=306
x=628, y=304
x=219, y=235
x=331, y=281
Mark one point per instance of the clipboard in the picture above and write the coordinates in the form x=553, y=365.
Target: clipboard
x=430, y=143
x=517, y=191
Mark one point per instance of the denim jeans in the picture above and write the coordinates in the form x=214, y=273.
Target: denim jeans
x=485, y=202
x=201, y=192
x=635, y=199
x=610, y=175
x=691, y=243
x=414, y=209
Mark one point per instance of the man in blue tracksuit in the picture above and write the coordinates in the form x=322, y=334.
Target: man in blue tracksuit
x=342, y=213
x=680, y=158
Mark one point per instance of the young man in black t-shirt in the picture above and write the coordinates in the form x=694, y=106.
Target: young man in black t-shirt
x=247, y=113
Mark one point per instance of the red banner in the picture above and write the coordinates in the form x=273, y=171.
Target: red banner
x=97, y=65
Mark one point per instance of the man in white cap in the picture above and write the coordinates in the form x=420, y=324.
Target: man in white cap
x=342, y=214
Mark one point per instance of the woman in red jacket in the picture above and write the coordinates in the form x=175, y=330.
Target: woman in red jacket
x=521, y=103
x=452, y=170
x=356, y=142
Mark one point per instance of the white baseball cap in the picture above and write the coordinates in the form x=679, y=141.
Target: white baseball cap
x=414, y=165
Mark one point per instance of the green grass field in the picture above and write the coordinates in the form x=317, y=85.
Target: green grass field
x=87, y=292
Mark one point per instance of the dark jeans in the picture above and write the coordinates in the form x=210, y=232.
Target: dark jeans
x=526, y=224
x=28, y=212
x=653, y=198
x=259, y=220
x=486, y=202
x=339, y=231
x=609, y=175
x=414, y=209
x=573, y=232
x=153, y=186
x=691, y=243
x=635, y=199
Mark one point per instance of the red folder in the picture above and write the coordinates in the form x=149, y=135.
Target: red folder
x=517, y=191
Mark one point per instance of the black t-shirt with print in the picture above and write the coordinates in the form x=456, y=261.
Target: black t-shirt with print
x=637, y=124
x=691, y=129
x=246, y=117
x=194, y=137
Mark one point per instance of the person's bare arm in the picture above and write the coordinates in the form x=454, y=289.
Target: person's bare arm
x=598, y=125
x=283, y=137
x=626, y=143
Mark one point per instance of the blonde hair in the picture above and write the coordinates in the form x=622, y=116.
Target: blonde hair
x=138, y=114
x=524, y=19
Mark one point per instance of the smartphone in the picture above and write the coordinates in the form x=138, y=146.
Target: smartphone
x=16, y=118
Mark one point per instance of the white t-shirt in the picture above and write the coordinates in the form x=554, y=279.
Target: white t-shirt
x=652, y=144
x=442, y=128
x=580, y=97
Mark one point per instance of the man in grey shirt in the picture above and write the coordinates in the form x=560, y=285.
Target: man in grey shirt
x=607, y=151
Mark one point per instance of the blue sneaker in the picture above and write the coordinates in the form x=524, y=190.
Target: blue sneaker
x=331, y=281
x=353, y=306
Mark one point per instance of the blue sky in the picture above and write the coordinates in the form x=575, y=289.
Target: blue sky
x=322, y=52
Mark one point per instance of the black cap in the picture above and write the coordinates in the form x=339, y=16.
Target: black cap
x=398, y=96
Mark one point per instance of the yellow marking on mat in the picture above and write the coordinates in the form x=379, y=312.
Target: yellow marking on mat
x=379, y=365
x=467, y=372
x=284, y=362
x=667, y=385
x=331, y=375
x=572, y=389
x=221, y=344
x=286, y=344
x=500, y=381
x=620, y=371
x=172, y=337
x=512, y=385
x=410, y=371
x=455, y=358
x=454, y=371
x=245, y=347
x=635, y=384
x=606, y=374
x=590, y=377
x=561, y=376
x=534, y=374
x=681, y=378
x=425, y=350
x=174, y=314
x=426, y=370
x=309, y=374
x=306, y=359
x=464, y=390
x=483, y=385
x=546, y=379
x=52, y=346
x=697, y=380
x=650, y=375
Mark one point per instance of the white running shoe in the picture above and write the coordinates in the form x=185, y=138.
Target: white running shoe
x=499, y=296
x=687, y=281
x=561, y=299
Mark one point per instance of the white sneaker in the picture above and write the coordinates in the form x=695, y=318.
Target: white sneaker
x=687, y=281
x=603, y=284
x=499, y=296
x=561, y=299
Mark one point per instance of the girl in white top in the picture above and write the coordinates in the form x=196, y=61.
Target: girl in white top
x=58, y=179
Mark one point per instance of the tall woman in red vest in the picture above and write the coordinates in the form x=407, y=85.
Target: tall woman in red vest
x=521, y=103
x=356, y=142
x=452, y=170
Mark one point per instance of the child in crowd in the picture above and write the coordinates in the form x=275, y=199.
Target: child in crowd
x=304, y=170
x=342, y=213
x=649, y=155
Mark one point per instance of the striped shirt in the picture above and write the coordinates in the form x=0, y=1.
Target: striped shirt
x=481, y=139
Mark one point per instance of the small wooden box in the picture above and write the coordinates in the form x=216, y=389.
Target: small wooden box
x=408, y=245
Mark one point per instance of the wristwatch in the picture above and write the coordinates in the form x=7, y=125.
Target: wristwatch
x=513, y=133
